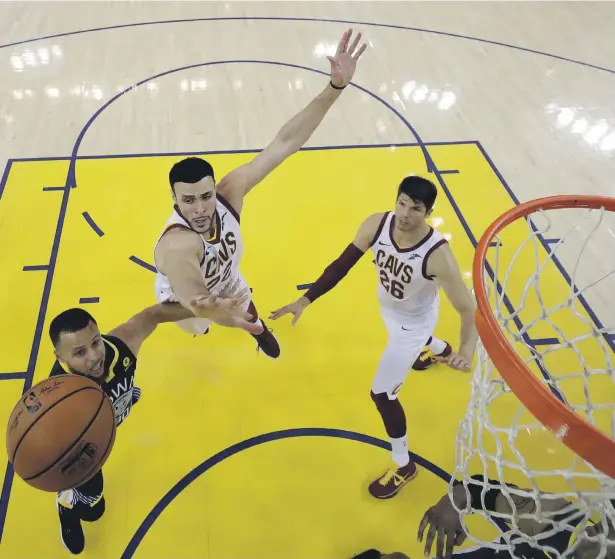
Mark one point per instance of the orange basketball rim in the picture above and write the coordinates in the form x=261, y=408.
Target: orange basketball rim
x=577, y=434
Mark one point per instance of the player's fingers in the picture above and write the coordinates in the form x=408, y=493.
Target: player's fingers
x=280, y=312
x=460, y=537
x=358, y=54
x=450, y=544
x=422, y=526
x=453, y=360
x=207, y=301
x=440, y=541
x=295, y=318
x=429, y=539
x=341, y=46
x=354, y=44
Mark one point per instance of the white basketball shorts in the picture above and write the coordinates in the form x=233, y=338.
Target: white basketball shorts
x=407, y=338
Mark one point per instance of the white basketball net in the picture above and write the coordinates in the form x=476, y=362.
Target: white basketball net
x=547, y=324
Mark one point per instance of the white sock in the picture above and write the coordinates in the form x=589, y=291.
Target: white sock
x=400, y=451
x=437, y=346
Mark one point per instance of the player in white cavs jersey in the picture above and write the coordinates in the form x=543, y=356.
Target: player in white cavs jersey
x=412, y=261
x=199, y=251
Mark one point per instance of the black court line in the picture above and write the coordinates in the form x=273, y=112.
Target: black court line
x=39, y=268
x=35, y=347
x=552, y=241
x=143, y=264
x=92, y=224
x=543, y=341
x=53, y=188
x=87, y=300
x=5, y=176
x=237, y=151
x=449, y=172
x=13, y=376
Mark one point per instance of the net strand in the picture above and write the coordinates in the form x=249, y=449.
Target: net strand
x=560, y=492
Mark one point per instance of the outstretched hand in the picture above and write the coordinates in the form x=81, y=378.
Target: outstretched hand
x=444, y=526
x=296, y=309
x=226, y=312
x=344, y=63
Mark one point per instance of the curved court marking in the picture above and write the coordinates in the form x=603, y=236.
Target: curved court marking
x=73, y=177
x=319, y=20
x=113, y=99
x=250, y=443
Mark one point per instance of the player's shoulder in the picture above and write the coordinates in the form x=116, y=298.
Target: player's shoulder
x=439, y=259
x=370, y=229
x=376, y=218
x=374, y=222
x=179, y=238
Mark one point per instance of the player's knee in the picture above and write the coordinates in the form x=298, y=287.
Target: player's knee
x=381, y=400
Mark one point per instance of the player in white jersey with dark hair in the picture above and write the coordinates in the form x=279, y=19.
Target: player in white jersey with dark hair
x=200, y=248
x=413, y=261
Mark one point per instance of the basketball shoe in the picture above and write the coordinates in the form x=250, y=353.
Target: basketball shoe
x=71, y=532
x=267, y=342
x=428, y=358
x=389, y=484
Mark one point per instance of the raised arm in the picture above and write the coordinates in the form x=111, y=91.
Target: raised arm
x=443, y=266
x=296, y=132
x=336, y=271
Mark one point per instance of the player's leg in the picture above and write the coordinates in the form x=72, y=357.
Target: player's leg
x=403, y=348
x=435, y=349
x=266, y=341
x=85, y=502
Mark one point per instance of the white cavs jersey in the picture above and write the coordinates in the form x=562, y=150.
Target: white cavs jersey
x=403, y=284
x=222, y=252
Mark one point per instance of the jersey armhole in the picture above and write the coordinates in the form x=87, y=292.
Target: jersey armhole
x=380, y=228
x=426, y=257
x=228, y=206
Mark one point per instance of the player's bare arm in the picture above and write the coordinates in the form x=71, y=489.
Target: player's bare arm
x=336, y=271
x=296, y=132
x=443, y=266
x=178, y=256
x=142, y=325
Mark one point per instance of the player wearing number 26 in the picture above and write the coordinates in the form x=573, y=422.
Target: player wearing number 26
x=412, y=261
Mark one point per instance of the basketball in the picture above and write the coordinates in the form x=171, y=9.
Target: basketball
x=60, y=433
